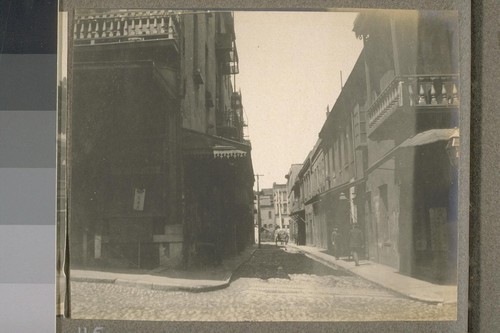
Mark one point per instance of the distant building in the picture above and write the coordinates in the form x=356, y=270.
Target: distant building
x=280, y=198
x=267, y=214
x=295, y=205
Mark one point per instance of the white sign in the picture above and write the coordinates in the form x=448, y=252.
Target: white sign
x=140, y=194
x=97, y=246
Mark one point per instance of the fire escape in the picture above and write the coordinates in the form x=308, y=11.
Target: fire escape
x=230, y=120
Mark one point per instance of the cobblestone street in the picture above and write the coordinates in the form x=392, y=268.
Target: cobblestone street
x=276, y=284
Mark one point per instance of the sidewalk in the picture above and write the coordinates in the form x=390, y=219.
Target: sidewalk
x=208, y=279
x=386, y=277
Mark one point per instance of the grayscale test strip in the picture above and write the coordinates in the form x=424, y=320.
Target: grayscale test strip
x=27, y=192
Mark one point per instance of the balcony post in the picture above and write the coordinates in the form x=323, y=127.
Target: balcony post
x=433, y=92
x=444, y=96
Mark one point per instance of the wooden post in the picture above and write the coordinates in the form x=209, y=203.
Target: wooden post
x=139, y=255
x=258, y=208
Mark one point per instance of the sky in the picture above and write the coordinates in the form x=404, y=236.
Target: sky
x=290, y=64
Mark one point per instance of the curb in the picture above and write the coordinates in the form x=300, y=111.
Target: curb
x=410, y=296
x=230, y=279
x=152, y=286
x=92, y=280
x=165, y=287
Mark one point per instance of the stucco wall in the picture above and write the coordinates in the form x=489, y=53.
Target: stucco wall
x=384, y=217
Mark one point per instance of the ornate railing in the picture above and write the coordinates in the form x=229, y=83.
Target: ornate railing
x=419, y=91
x=120, y=26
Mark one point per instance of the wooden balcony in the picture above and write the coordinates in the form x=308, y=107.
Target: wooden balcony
x=125, y=26
x=407, y=94
x=231, y=126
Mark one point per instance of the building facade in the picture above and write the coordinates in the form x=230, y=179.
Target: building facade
x=148, y=140
x=295, y=205
x=280, y=199
x=267, y=214
x=331, y=181
x=384, y=159
x=411, y=65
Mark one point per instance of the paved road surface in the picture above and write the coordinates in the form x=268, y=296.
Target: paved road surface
x=275, y=285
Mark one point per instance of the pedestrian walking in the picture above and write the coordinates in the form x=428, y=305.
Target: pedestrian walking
x=336, y=242
x=356, y=243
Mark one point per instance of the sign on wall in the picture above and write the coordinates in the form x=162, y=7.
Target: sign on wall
x=140, y=194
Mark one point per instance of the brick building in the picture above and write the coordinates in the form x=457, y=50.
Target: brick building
x=155, y=124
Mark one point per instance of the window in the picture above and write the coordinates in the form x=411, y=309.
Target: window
x=269, y=214
x=340, y=150
x=348, y=145
x=384, y=210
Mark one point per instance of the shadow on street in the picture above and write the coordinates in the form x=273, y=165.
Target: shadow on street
x=271, y=261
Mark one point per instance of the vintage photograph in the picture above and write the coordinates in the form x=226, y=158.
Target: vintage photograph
x=259, y=165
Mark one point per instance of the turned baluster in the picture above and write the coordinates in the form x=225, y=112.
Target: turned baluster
x=96, y=30
x=138, y=27
x=118, y=28
x=162, y=25
x=411, y=95
x=421, y=100
x=101, y=29
x=104, y=31
x=155, y=26
x=170, y=28
x=125, y=27
x=456, y=99
x=444, y=95
x=111, y=31
x=75, y=31
x=132, y=30
x=433, y=93
x=82, y=30
x=400, y=93
x=89, y=29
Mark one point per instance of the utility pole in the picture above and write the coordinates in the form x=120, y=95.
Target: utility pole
x=258, y=208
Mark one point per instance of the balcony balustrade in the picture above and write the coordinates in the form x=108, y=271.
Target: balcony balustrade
x=414, y=93
x=125, y=26
x=231, y=126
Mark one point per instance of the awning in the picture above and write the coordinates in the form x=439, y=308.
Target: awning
x=201, y=145
x=335, y=190
x=297, y=212
x=430, y=136
x=421, y=139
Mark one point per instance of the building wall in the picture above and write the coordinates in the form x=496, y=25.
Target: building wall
x=353, y=175
x=126, y=135
x=267, y=217
x=384, y=220
x=115, y=150
x=295, y=205
x=416, y=44
x=309, y=217
x=197, y=34
x=205, y=106
x=280, y=199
